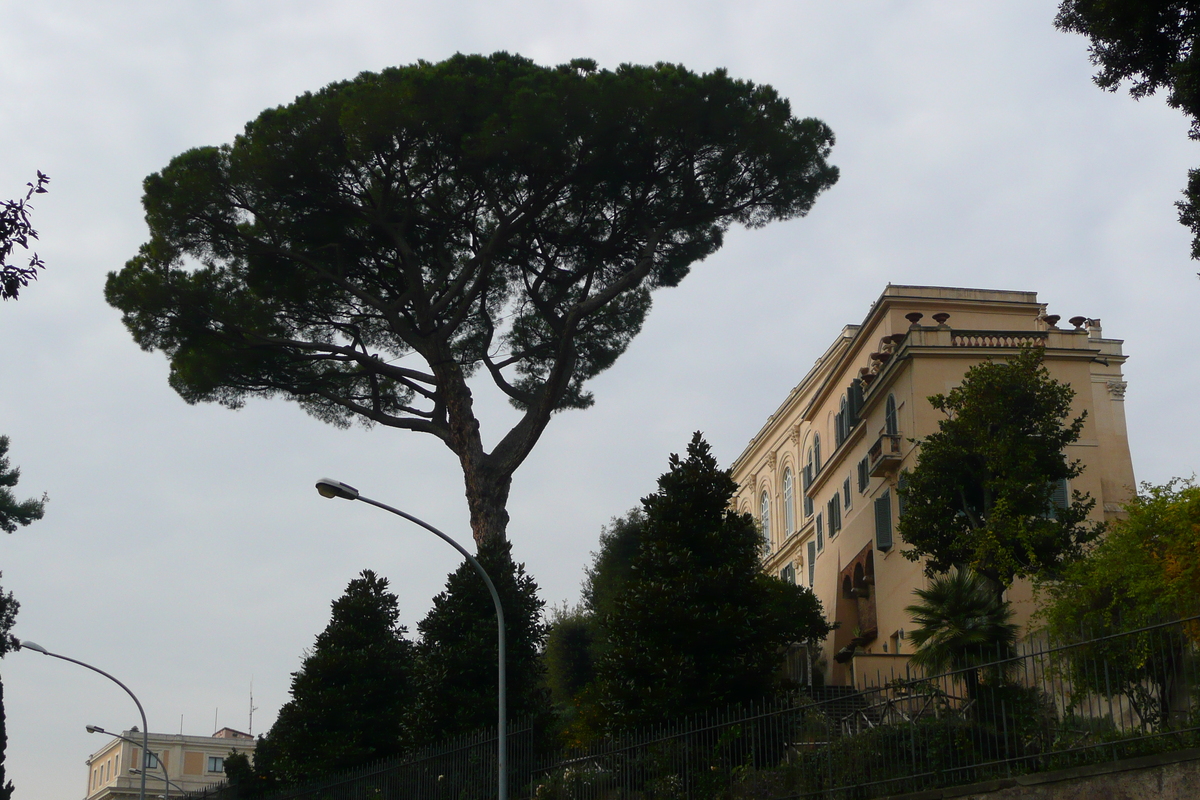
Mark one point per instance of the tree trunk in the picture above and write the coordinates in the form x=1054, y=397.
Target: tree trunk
x=487, y=499
x=486, y=485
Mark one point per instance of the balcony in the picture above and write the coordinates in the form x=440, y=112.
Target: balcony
x=885, y=455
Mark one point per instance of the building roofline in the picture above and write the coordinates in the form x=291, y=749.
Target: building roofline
x=851, y=334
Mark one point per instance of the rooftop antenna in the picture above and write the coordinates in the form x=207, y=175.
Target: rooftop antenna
x=215, y=710
x=253, y=707
x=181, y=724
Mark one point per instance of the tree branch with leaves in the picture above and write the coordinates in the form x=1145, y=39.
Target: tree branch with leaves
x=480, y=211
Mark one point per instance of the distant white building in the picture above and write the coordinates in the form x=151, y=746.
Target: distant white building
x=192, y=762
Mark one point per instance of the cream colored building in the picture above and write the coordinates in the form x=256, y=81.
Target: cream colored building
x=821, y=474
x=192, y=763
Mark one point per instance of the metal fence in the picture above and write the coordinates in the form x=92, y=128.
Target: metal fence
x=1049, y=705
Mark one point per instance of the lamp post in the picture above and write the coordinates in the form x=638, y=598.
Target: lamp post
x=331, y=488
x=133, y=770
x=37, y=648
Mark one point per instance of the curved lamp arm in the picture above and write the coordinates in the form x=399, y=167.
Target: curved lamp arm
x=328, y=487
x=37, y=648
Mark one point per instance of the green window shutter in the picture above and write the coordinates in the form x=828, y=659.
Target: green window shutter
x=902, y=493
x=883, y=521
x=856, y=400
x=812, y=563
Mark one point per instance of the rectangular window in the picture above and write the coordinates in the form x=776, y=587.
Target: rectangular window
x=788, y=574
x=883, y=521
x=216, y=764
x=808, y=506
x=820, y=534
x=812, y=562
x=846, y=492
x=839, y=428
x=864, y=475
x=901, y=493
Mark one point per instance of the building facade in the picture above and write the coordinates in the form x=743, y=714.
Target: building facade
x=821, y=474
x=192, y=762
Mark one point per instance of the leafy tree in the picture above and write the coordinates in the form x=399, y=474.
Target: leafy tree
x=981, y=493
x=698, y=623
x=575, y=639
x=351, y=696
x=1154, y=45
x=13, y=512
x=457, y=654
x=1146, y=570
x=481, y=212
x=612, y=565
x=962, y=625
x=8, y=642
x=16, y=229
x=569, y=656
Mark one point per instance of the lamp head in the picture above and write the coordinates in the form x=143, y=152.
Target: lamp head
x=34, y=646
x=95, y=729
x=328, y=487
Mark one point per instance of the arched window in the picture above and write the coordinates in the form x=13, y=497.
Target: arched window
x=789, y=503
x=816, y=453
x=841, y=425
x=891, y=424
x=765, y=517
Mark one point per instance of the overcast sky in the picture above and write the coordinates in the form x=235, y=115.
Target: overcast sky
x=184, y=549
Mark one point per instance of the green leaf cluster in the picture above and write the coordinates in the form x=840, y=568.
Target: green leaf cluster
x=962, y=624
x=1146, y=570
x=980, y=495
x=682, y=617
x=351, y=697
x=13, y=512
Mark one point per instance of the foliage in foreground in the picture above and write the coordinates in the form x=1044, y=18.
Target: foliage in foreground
x=17, y=229
x=457, y=653
x=696, y=623
x=981, y=493
x=351, y=697
x=1147, y=569
x=962, y=624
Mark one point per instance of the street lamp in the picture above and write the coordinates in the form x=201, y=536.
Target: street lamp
x=331, y=488
x=37, y=648
x=133, y=770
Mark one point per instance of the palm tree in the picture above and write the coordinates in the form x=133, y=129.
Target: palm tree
x=962, y=626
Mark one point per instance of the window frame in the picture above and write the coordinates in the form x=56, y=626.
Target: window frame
x=789, y=502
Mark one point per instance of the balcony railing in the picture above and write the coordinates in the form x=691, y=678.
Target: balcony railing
x=885, y=455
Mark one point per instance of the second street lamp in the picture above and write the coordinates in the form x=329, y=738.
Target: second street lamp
x=331, y=488
x=167, y=782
